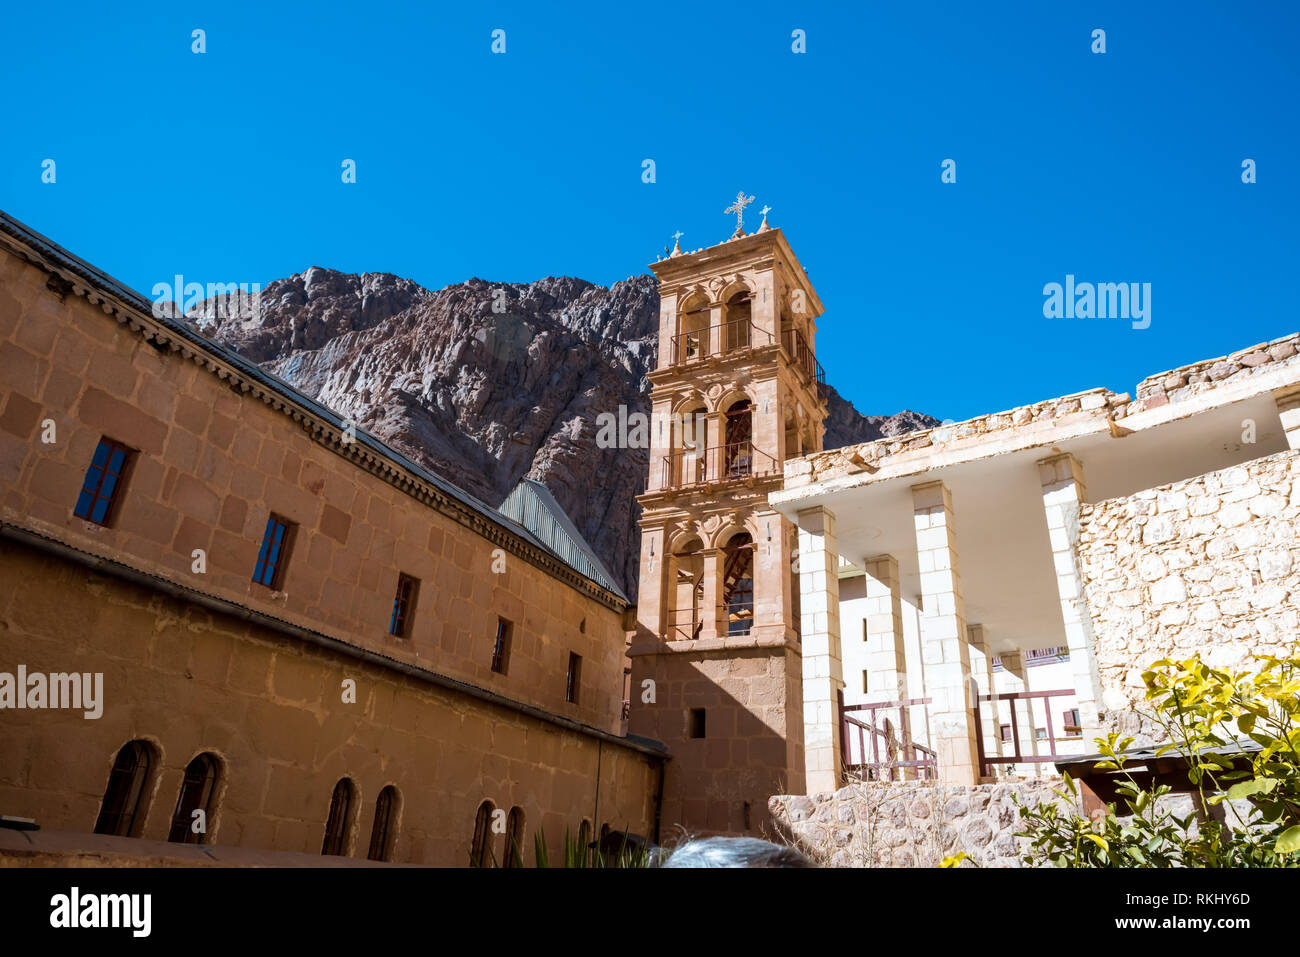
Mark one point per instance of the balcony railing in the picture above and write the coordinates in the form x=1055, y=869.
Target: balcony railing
x=717, y=463
x=801, y=354
x=1017, y=757
x=734, y=619
x=700, y=344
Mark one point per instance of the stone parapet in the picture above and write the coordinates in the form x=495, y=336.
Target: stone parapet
x=910, y=824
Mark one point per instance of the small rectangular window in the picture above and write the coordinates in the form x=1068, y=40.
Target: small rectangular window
x=573, y=679
x=399, y=622
x=1006, y=732
x=103, y=482
x=1040, y=733
x=274, y=553
x=697, y=723
x=501, y=650
x=864, y=681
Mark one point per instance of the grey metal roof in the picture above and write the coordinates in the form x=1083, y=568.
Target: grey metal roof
x=532, y=505
x=126, y=294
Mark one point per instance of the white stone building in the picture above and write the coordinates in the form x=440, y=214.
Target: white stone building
x=1121, y=528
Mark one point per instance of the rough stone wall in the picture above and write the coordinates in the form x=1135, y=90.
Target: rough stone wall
x=270, y=707
x=910, y=824
x=1208, y=564
x=1156, y=390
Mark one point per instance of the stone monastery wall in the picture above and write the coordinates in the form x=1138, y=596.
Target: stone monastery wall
x=1208, y=564
x=910, y=824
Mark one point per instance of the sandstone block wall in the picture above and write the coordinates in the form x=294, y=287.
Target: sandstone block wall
x=910, y=824
x=271, y=708
x=214, y=460
x=1209, y=564
x=752, y=703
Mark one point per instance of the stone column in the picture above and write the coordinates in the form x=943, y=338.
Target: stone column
x=711, y=596
x=772, y=599
x=945, y=646
x=823, y=679
x=1063, y=493
x=1017, y=680
x=1288, y=410
x=981, y=666
x=653, y=598
x=886, y=656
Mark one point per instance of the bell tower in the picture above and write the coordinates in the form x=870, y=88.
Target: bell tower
x=736, y=392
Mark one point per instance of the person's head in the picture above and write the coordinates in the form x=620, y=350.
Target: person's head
x=735, y=852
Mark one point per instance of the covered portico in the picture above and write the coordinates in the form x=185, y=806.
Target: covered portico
x=975, y=525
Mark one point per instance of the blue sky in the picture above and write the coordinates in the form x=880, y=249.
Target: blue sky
x=1115, y=167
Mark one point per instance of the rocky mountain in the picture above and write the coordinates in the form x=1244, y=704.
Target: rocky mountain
x=485, y=383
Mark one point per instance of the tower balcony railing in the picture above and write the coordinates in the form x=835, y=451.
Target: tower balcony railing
x=801, y=355
x=718, y=463
x=698, y=344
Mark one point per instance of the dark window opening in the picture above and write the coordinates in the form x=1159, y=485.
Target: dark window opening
x=573, y=679
x=746, y=817
x=480, y=851
x=124, y=799
x=399, y=622
x=514, y=853
x=340, y=819
x=196, y=795
x=103, y=482
x=383, y=831
x=274, y=553
x=501, y=650
x=697, y=723
x=1006, y=732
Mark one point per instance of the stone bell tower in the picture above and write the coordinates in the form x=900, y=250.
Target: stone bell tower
x=736, y=392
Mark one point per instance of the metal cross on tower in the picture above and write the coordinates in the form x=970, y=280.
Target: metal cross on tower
x=738, y=207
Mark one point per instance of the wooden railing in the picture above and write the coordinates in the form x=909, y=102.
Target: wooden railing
x=986, y=760
x=900, y=752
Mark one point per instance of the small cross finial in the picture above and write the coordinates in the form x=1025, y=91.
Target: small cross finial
x=738, y=207
x=765, y=210
x=677, y=243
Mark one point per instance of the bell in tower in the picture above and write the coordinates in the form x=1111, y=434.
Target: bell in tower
x=717, y=662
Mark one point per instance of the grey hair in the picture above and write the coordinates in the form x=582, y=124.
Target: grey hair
x=735, y=852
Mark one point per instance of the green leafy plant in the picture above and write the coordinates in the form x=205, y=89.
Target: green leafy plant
x=579, y=854
x=1208, y=715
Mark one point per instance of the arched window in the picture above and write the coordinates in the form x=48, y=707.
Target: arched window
x=685, y=570
x=480, y=852
x=692, y=339
x=384, y=831
x=514, y=854
x=125, y=801
x=688, y=464
x=339, y=823
x=197, y=792
x=738, y=450
x=738, y=583
x=737, y=325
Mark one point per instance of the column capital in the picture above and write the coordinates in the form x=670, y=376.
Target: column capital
x=931, y=495
x=1060, y=469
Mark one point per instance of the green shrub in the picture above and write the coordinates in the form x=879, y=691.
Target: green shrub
x=1204, y=711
